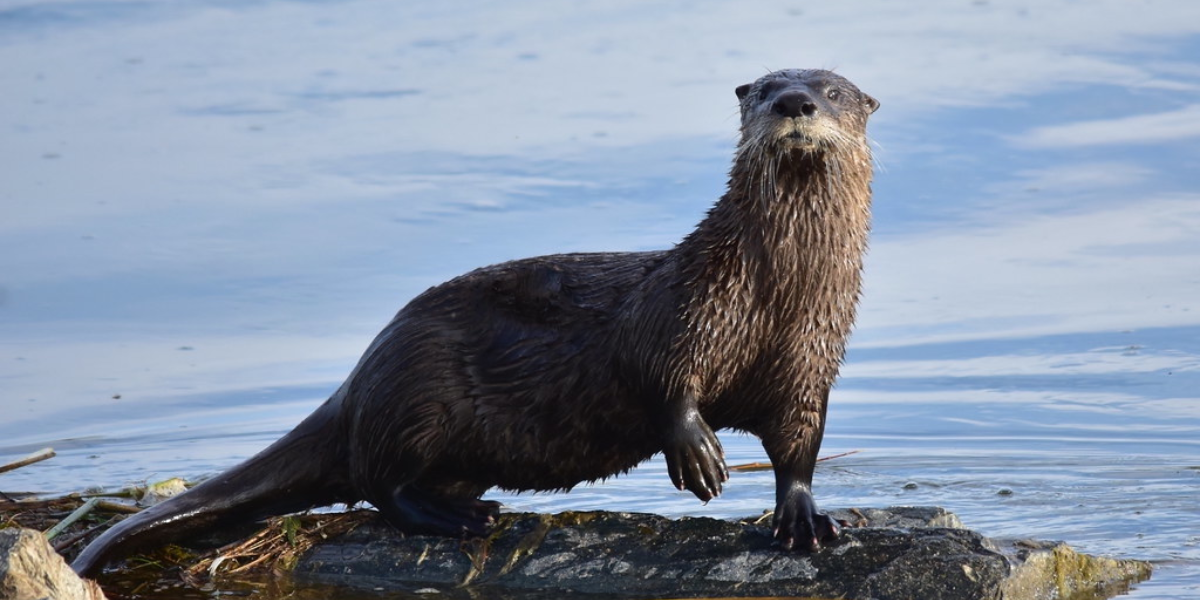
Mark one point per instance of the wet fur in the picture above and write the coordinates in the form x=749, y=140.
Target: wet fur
x=542, y=373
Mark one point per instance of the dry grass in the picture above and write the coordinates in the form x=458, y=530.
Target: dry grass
x=275, y=548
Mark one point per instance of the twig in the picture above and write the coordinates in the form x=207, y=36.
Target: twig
x=125, y=493
x=71, y=518
x=61, y=545
x=764, y=466
x=754, y=466
x=838, y=455
x=39, y=456
x=117, y=507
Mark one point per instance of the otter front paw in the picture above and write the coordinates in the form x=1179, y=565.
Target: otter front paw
x=798, y=525
x=695, y=459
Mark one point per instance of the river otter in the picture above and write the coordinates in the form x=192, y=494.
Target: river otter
x=542, y=373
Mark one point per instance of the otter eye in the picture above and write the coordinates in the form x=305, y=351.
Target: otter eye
x=833, y=94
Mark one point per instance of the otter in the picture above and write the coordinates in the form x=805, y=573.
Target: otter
x=542, y=373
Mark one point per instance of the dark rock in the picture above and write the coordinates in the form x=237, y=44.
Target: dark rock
x=894, y=553
x=31, y=570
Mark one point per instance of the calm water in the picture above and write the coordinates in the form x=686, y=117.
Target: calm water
x=208, y=209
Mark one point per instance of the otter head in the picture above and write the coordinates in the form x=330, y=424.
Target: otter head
x=810, y=111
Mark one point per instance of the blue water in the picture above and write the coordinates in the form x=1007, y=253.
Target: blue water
x=208, y=209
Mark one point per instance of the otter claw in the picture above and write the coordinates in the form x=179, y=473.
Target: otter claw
x=798, y=525
x=695, y=459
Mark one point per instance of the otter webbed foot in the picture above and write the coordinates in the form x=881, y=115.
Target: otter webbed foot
x=414, y=511
x=695, y=459
x=798, y=525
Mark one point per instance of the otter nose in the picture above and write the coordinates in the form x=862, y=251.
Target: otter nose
x=794, y=104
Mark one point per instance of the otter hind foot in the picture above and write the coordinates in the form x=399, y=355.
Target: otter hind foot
x=798, y=524
x=414, y=511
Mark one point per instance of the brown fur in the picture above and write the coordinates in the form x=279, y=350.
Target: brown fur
x=542, y=373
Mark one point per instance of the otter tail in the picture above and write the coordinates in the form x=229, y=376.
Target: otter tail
x=301, y=470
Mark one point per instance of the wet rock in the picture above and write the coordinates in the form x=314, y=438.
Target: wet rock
x=31, y=570
x=893, y=553
x=1054, y=570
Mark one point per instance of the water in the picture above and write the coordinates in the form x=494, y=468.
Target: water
x=208, y=209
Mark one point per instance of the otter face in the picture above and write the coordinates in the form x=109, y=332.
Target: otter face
x=807, y=110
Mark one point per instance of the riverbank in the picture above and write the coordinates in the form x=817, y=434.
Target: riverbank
x=900, y=552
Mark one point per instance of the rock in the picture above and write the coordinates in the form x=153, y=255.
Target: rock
x=895, y=553
x=159, y=491
x=1054, y=570
x=31, y=570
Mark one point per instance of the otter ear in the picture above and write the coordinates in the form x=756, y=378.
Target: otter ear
x=872, y=104
x=742, y=90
